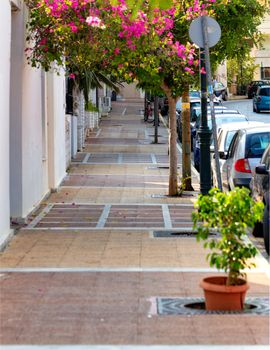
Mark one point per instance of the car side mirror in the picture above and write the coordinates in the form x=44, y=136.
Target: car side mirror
x=223, y=155
x=261, y=169
x=212, y=148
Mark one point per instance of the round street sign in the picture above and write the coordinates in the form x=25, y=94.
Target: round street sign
x=213, y=31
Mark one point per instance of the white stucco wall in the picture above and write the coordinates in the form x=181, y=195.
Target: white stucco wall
x=27, y=163
x=5, y=37
x=32, y=152
x=56, y=128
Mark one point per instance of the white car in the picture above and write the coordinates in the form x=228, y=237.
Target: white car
x=244, y=154
x=224, y=138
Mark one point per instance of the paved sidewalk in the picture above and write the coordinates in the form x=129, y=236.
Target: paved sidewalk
x=110, y=259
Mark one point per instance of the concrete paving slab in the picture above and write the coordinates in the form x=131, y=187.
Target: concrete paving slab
x=72, y=288
x=53, y=310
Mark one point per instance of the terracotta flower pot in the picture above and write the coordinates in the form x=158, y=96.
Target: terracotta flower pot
x=218, y=296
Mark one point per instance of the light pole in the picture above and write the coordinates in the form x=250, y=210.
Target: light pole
x=205, y=32
x=204, y=132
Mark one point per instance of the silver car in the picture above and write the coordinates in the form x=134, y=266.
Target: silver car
x=245, y=152
x=224, y=138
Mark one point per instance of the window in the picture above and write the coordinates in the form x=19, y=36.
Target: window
x=219, y=139
x=256, y=144
x=228, y=140
x=264, y=92
x=232, y=146
x=265, y=72
x=266, y=158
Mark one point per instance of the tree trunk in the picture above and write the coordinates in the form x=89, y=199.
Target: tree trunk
x=186, y=141
x=173, y=181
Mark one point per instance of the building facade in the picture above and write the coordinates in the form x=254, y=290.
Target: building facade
x=33, y=124
x=262, y=55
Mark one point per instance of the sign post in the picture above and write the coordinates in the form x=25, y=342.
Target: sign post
x=205, y=32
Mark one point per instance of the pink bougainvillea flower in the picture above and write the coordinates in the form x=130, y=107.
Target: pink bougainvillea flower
x=203, y=71
x=72, y=76
x=94, y=21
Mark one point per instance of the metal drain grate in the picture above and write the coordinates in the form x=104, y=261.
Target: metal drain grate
x=177, y=234
x=173, y=234
x=196, y=306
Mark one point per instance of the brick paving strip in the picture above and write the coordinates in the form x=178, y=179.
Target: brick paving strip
x=74, y=216
x=121, y=158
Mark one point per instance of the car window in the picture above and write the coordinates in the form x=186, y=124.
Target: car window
x=228, y=140
x=233, y=145
x=195, y=93
x=219, y=138
x=256, y=144
x=266, y=158
x=195, y=104
x=264, y=92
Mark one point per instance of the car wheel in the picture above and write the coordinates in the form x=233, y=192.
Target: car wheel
x=258, y=229
x=266, y=228
x=225, y=97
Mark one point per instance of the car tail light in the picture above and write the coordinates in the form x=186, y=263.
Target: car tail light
x=242, y=166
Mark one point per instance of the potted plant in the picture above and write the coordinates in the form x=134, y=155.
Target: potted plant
x=229, y=215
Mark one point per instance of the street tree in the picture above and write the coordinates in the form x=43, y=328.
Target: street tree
x=95, y=36
x=146, y=45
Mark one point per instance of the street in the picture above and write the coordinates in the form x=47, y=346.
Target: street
x=245, y=106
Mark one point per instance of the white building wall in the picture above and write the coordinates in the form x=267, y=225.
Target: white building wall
x=32, y=151
x=56, y=128
x=5, y=37
x=28, y=183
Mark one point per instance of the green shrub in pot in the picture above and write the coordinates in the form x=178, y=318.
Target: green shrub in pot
x=230, y=215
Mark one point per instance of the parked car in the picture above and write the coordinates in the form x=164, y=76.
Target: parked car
x=195, y=113
x=253, y=86
x=220, y=90
x=259, y=185
x=261, y=100
x=224, y=138
x=244, y=153
x=220, y=120
x=194, y=102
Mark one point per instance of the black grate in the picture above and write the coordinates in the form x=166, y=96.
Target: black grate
x=196, y=306
x=173, y=234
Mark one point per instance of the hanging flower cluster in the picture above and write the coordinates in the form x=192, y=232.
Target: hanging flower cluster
x=90, y=33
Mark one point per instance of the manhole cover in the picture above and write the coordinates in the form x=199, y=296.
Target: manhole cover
x=196, y=306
